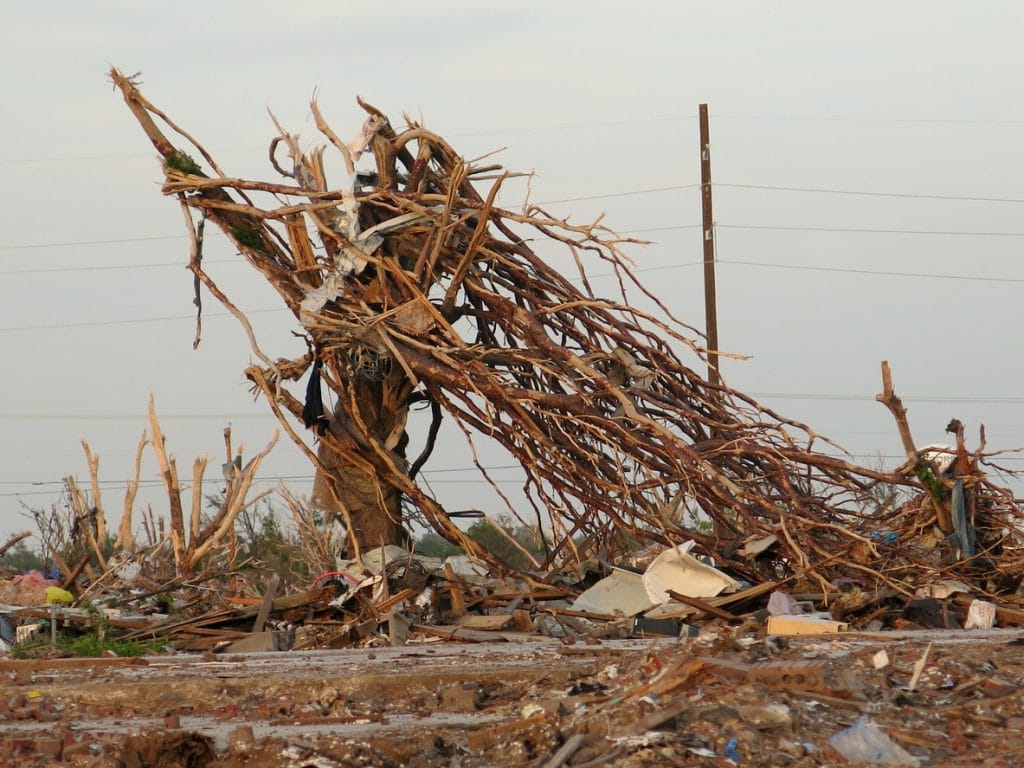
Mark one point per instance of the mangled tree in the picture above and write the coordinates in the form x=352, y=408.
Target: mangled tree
x=412, y=286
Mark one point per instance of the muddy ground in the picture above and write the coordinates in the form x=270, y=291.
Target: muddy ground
x=721, y=699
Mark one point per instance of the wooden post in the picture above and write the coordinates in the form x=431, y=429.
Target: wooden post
x=268, y=601
x=708, y=229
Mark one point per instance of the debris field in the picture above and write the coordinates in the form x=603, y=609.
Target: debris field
x=694, y=578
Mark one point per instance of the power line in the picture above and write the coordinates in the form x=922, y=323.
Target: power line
x=768, y=265
x=836, y=396
x=150, y=238
x=496, y=132
x=570, y=126
x=992, y=399
x=867, y=193
x=856, y=271
x=164, y=264
x=168, y=318
x=54, y=486
x=855, y=119
x=651, y=190
x=262, y=479
x=107, y=267
x=129, y=417
x=131, y=321
x=962, y=233
x=660, y=229
x=69, y=243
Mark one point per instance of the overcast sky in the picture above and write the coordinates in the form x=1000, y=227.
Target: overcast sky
x=914, y=104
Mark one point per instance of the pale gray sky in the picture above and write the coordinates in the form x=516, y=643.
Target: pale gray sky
x=920, y=99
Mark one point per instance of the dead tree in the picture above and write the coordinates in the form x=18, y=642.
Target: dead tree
x=413, y=286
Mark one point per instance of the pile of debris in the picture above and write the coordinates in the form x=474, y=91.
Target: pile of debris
x=731, y=696
x=391, y=596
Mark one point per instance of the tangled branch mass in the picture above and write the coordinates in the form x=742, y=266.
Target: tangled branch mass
x=414, y=287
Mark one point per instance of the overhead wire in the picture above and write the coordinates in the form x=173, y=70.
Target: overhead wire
x=858, y=271
x=870, y=230
x=870, y=193
x=839, y=396
x=574, y=126
x=52, y=486
x=131, y=321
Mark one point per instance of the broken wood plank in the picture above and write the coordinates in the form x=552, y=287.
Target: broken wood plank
x=79, y=616
x=567, y=750
x=479, y=740
x=455, y=591
x=586, y=614
x=243, y=600
x=268, y=599
x=170, y=626
x=72, y=575
x=385, y=605
x=38, y=665
x=523, y=621
x=449, y=632
x=287, y=602
x=718, y=602
x=651, y=721
x=492, y=622
x=1005, y=616
x=695, y=602
x=254, y=642
x=511, y=593
x=398, y=629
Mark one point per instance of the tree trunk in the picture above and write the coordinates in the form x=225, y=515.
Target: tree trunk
x=375, y=511
x=374, y=508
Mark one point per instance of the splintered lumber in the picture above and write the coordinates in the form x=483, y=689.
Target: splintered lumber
x=80, y=616
x=487, y=622
x=386, y=605
x=455, y=592
x=1005, y=615
x=461, y=633
x=719, y=602
x=701, y=605
x=69, y=581
x=214, y=618
x=566, y=751
x=414, y=286
x=268, y=599
x=480, y=739
x=39, y=665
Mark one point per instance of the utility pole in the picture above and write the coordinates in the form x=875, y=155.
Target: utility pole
x=708, y=228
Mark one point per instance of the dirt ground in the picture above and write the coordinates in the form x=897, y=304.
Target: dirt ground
x=721, y=699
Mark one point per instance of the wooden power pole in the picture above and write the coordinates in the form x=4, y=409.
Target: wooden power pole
x=708, y=228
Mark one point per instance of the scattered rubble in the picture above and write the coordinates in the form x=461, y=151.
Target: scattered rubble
x=495, y=670
x=709, y=588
